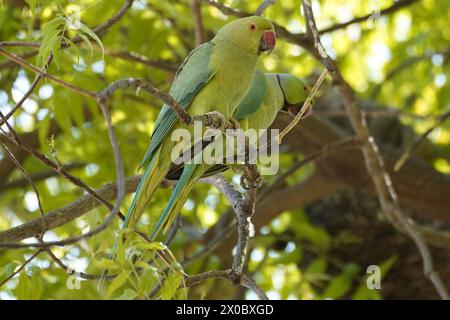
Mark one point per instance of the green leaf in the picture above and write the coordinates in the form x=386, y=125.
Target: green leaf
x=128, y=294
x=8, y=269
x=152, y=246
x=364, y=293
x=28, y=288
x=148, y=279
x=319, y=265
x=107, y=264
x=341, y=284
x=43, y=126
x=86, y=30
x=36, y=288
x=118, y=282
x=51, y=37
x=386, y=265
x=171, y=285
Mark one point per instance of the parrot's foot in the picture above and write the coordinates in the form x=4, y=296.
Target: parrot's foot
x=216, y=120
x=234, y=124
x=251, y=178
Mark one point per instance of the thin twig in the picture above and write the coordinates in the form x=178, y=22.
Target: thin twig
x=377, y=113
x=70, y=212
x=244, y=208
x=39, y=176
x=197, y=11
x=413, y=146
x=30, y=181
x=403, y=65
x=44, y=74
x=21, y=267
x=27, y=94
x=82, y=275
x=263, y=6
x=307, y=105
x=393, y=8
x=135, y=57
x=142, y=84
x=244, y=280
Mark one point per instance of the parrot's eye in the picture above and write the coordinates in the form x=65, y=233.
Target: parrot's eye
x=252, y=27
x=304, y=88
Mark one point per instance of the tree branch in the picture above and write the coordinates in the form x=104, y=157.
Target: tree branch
x=38, y=177
x=393, y=8
x=263, y=6
x=197, y=11
x=410, y=149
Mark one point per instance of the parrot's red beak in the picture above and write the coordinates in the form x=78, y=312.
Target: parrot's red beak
x=268, y=41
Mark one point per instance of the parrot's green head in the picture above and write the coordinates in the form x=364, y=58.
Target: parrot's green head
x=254, y=34
x=295, y=92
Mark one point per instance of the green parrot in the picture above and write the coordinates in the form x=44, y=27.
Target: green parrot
x=268, y=94
x=214, y=78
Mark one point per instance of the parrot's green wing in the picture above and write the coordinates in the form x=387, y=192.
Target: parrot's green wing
x=254, y=97
x=248, y=106
x=192, y=76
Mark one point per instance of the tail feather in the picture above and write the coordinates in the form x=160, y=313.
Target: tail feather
x=191, y=172
x=153, y=175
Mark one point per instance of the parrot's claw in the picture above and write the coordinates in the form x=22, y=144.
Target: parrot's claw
x=247, y=185
x=216, y=120
x=234, y=124
x=251, y=178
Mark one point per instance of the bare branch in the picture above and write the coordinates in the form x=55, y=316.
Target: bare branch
x=30, y=90
x=36, y=177
x=263, y=6
x=405, y=64
x=249, y=283
x=61, y=216
x=397, y=5
x=197, y=11
x=244, y=281
x=410, y=149
x=135, y=57
x=30, y=181
x=21, y=267
x=69, y=271
x=244, y=208
x=142, y=84
x=44, y=74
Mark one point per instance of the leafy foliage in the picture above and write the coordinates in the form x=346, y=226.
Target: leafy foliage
x=289, y=257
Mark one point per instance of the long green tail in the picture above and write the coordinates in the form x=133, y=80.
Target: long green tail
x=153, y=175
x=191, y=172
